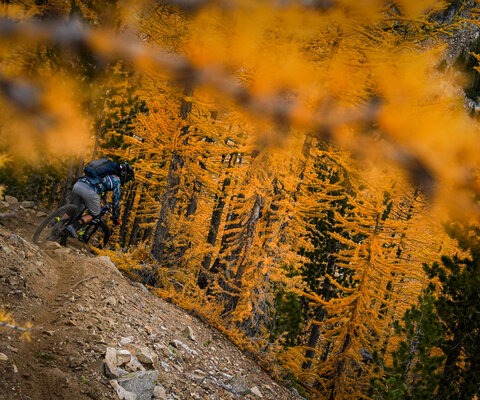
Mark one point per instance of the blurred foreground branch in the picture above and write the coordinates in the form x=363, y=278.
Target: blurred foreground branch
x=105, y=46
x=191, y=6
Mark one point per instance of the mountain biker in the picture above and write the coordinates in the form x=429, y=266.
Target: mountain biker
x=87, y=191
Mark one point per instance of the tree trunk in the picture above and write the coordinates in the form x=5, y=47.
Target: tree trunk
x=74, y=166
x=336, y=377
x=135, y=231
x=320, y=314
x=203, y=277
x=191, y=209
x=127, y=209
x=240, y=254
x=169, y=198
x=133, y=239
x=168, y=204
x=252, y=325
x=232, y=222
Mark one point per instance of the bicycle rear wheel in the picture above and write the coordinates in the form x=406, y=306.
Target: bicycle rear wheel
x=53, y=226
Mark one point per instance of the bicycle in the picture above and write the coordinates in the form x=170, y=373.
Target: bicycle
x=53, y=227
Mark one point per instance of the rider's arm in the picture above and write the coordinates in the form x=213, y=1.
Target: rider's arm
x=117, y=193
x=112, y=183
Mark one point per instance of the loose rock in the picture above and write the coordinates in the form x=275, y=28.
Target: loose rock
x=142, y=384
x=110, y=363
x=188, y=333
x=256, y=391
x=11, y=200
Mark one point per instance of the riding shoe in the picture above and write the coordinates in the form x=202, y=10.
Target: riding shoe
x=72, y=231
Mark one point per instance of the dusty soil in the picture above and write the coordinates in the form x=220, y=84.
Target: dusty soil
x=80, y=304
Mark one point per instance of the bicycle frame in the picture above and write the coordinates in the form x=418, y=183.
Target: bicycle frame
x=86, y=231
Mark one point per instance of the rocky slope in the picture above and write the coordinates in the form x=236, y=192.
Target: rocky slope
x=97, y=335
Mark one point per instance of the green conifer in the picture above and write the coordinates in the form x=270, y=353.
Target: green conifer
x=438, y=358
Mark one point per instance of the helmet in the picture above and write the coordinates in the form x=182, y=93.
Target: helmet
x=126, y=173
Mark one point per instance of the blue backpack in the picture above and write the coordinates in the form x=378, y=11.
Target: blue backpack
x=97, y=169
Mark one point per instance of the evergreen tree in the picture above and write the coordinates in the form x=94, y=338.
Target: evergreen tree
x=414, y=373
x=438, y=359
x=458, y=309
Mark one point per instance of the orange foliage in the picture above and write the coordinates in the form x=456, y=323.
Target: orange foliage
x=230, y=165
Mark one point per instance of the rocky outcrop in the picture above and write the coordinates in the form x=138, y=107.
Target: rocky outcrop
x=134, y=371
x=11, y=207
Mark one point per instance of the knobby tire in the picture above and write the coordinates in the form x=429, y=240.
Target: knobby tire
x=56, y=228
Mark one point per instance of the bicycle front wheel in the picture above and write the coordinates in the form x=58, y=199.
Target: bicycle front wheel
x=96, y=235
x=53, y=226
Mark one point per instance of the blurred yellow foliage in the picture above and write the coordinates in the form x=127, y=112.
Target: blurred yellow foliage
x=414, y=9
x=56, y=129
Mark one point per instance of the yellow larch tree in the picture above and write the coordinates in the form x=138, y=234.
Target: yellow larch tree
x=381, y=254
x=250, y=257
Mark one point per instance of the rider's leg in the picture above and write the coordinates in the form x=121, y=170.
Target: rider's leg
x=76, y=199
x=90, y=199
x=85, y=218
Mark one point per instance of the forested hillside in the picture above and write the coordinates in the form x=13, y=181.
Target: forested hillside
x=306, y=171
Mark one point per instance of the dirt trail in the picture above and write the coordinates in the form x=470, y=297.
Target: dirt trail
x=79, y=305
x=41, y=286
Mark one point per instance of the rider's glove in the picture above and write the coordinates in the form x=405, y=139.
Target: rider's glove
x=115, y=220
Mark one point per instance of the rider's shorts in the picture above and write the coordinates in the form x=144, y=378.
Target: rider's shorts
x=83, y=194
